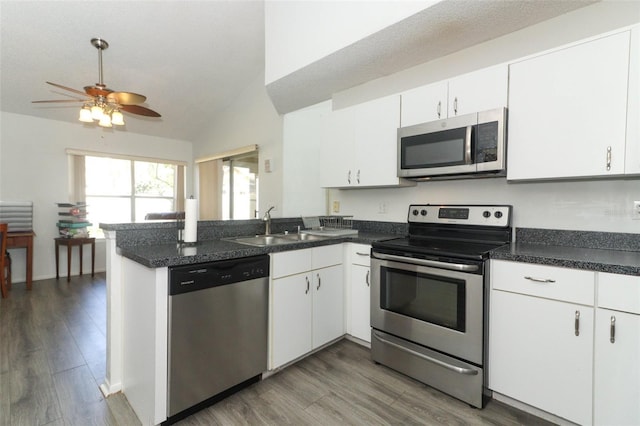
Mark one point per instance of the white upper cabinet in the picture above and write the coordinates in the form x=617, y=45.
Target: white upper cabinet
x=632, y=158
x=477, y=91
x=425, y=103
x=361, y=149
x=568, y=111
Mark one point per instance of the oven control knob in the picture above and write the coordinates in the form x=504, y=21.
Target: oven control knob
x=415, y=212
x=423, y=212
x=486, y=214
x=498, y=214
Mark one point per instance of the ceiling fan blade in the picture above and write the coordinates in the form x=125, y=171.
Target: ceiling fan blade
x=126, y=98
x=58, y=100
x=67, y=88
x=140, y=110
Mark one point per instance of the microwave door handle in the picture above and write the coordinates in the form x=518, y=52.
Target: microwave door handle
x=424, y=262
x=467, y=145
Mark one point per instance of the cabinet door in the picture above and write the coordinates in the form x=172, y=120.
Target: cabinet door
x=292, y=303
x=376, y=142
x=328, y=305
x=478, y=91
x=567, y=111
x=423, y=104
x=360, y=301
x=632, y=157
x=536, y=357
x=337, y=153
x=617, y=369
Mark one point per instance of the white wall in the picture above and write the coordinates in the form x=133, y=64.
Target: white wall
x=596, y=205
x=251, y=119
x=314, y=37
x=603, y=205
x=34, y=167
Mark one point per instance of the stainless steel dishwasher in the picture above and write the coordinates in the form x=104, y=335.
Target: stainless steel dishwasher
x=218, y=315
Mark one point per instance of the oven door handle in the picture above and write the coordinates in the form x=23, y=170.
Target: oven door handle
x=424, y=262
x=459, y=370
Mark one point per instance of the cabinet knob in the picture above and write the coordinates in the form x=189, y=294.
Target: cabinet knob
x=307, y=290
x=319, y=281
x=367, y=278
x=608, y=158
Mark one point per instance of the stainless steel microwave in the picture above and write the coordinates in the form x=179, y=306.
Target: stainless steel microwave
x=466, y=146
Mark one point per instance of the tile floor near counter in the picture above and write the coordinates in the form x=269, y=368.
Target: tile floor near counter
x=52, y=358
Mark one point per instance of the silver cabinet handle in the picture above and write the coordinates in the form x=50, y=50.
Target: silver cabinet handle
x=307, y=290
x=439, y=109
x=319, y=282
x=576, y=323
x=459, y=370
x=612, y=330
x=455, y=105
x=540, y=280
x=608, y=158
x=359, y=253
x=367, y=278
x=358, y=176
x=349, y=177
x=425, y=262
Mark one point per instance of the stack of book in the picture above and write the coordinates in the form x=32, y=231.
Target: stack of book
x=72, y=222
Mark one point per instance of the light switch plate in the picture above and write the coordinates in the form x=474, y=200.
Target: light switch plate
x=635, y=214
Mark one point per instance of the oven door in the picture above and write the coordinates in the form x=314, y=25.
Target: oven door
x=442, y=309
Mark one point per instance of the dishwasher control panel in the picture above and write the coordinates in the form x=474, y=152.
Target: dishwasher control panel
x=184, y=279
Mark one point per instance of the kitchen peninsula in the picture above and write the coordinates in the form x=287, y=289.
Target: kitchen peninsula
x=138, y=260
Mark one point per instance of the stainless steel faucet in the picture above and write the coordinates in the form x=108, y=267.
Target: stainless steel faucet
x=267, y=219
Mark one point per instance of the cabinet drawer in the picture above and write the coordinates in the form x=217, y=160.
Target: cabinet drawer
x=360, y=254
x=619, y=292
x=326, y=256
x=569, y=285
x=290, y=262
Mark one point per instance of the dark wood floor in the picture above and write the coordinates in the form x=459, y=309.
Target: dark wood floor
x=53, y=352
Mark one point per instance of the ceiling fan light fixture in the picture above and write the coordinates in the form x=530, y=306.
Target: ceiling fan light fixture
x=105, y=121
x=85, y=115
x=117, y=118
x=96, y=112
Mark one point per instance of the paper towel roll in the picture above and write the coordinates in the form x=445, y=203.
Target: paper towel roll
x=190, y=220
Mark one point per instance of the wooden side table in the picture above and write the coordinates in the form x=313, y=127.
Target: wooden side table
x=23, y=239
x=70, y=242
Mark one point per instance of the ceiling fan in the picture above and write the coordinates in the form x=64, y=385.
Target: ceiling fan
x=101, y=103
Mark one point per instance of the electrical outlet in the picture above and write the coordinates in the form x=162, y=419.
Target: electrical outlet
x=382, y=207
x=635, y=214
x=336, y=206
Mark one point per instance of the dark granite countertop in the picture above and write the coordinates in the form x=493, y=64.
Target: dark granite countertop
x=171, y=254
x=592, y=259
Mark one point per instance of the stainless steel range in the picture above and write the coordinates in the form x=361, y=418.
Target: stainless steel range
x=429, y=296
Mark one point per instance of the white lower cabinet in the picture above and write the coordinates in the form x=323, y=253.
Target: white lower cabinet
x=307, y=301
x=541, y=349
x=617, y=351
x=359, y=292
x=584, y=368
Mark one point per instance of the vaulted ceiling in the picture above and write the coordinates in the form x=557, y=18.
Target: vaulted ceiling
x=191, y=59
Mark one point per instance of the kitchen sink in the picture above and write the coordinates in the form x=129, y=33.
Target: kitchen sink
x=303, y=237
x=277, y=239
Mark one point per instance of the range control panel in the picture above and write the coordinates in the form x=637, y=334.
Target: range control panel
x=474, y=215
